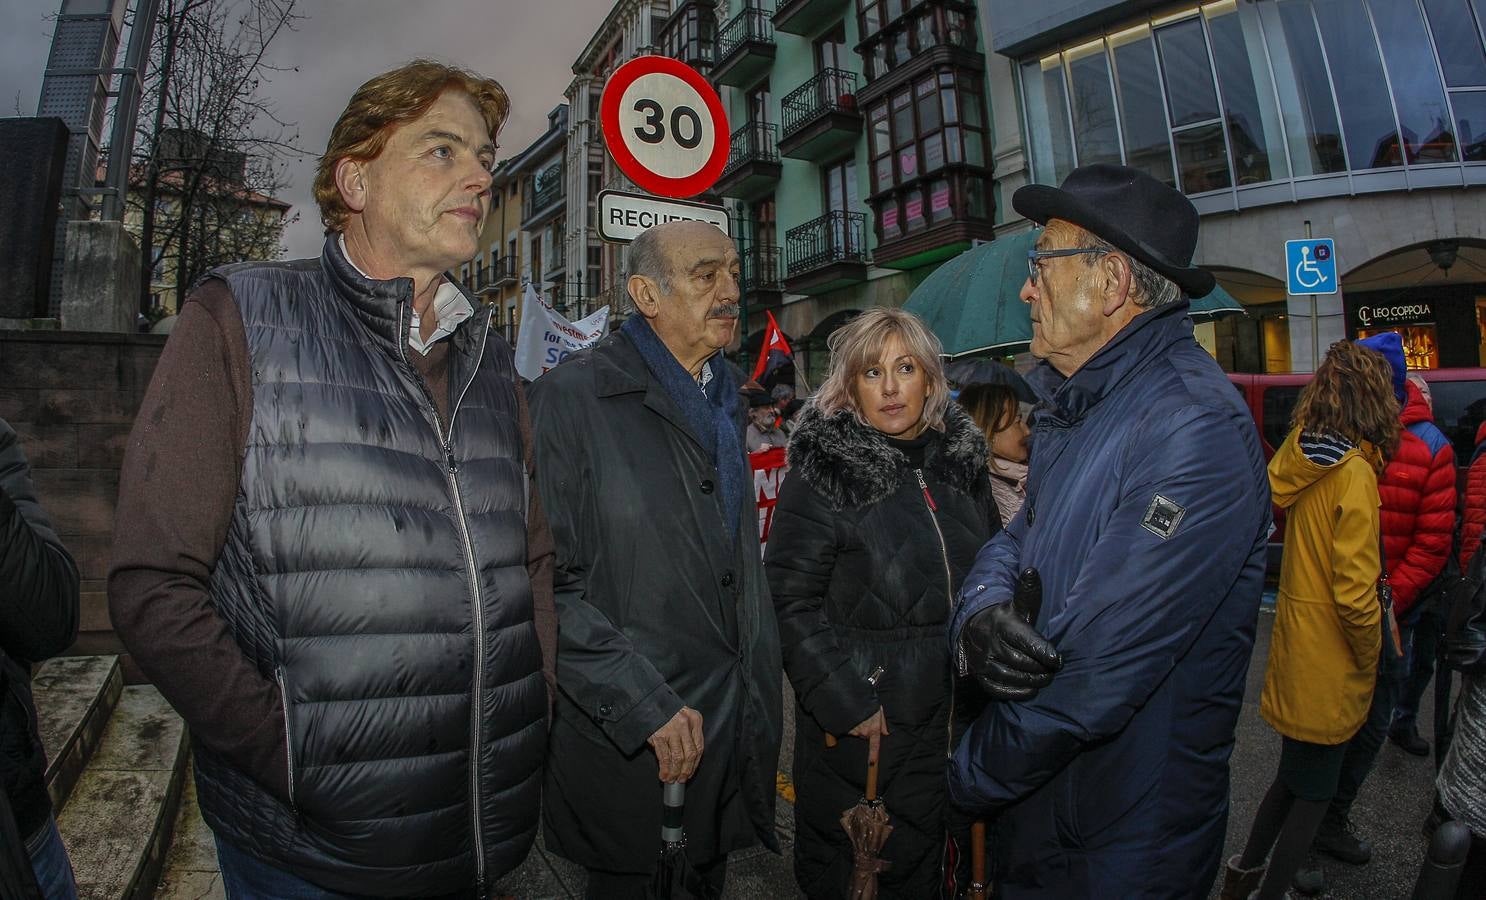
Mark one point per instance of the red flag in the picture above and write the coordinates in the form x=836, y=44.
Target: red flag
x=774, y=353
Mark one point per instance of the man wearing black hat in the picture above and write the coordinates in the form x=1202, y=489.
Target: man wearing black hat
x=1147, y=515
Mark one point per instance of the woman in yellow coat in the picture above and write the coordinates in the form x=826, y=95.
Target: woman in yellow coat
x=1323, y=655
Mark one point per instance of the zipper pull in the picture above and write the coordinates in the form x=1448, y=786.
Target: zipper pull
x=449, y=458
x=923, y=486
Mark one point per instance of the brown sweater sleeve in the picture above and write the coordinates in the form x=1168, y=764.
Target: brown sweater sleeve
x=541, y=553
x=176, y=494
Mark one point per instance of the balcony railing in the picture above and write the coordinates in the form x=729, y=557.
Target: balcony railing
x=503, y=271
x=751, y=25
x=760, y=270
x=754, y=142
x=833, y=238
x=830, y=91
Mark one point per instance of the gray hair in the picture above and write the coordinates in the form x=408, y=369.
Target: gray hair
x=782, y=392
x=1152, y=289
x=646, y=255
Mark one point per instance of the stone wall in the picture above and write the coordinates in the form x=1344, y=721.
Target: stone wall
x=71, y=396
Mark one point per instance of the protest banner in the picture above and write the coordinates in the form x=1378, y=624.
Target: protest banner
x=546, y=338
x=769, y=467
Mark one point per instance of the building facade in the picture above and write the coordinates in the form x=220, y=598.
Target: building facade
x=495, y=274
x=522, y=240
x=1358, y=120
x=861, y=154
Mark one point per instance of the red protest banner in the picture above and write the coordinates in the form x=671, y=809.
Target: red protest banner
x=769, y=467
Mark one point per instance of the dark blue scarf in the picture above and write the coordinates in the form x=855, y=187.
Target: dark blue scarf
x=710, y=411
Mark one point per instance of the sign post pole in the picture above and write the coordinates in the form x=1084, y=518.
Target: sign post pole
x=1310, y=269
x=1315, y=319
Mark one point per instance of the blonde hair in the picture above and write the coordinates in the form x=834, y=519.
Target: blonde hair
x=391, y=99
x=858, y=345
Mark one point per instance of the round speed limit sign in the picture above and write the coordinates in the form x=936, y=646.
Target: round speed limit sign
x=665, y=126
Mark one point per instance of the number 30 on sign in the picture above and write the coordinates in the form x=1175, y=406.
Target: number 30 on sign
x=664, y=126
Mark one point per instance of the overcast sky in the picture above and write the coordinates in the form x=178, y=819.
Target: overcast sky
x=527, y=45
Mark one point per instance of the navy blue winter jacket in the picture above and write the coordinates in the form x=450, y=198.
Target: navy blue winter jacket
x=1147, y=514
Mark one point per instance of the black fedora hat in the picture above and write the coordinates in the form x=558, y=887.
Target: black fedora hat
x=1149, y=220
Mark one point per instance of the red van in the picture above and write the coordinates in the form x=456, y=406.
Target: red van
x=1459, y=402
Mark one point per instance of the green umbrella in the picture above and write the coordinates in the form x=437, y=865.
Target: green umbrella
x=972, y=304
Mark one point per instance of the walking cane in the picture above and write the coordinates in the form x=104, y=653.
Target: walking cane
x=978, y=889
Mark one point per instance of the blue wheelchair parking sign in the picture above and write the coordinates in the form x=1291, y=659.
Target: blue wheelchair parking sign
x=1310, y=266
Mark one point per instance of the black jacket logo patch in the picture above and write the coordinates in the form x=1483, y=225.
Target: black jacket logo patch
x=1162, y=517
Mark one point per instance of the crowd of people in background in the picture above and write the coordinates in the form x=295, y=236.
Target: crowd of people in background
x=407, y=619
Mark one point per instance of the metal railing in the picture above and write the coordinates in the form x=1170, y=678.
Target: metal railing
x=753, y=24
x=831, y=90
x=503, y=270
x=754, y=142
x=760, y=269
x=834, y=237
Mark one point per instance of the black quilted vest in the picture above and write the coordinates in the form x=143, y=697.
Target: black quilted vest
x=376, y=568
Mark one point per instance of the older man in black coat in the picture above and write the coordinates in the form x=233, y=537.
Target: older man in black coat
x=668, y=657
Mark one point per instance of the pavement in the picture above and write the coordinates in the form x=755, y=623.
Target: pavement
x=1394, y=803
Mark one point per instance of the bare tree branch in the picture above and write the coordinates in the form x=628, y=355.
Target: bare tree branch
x=211, y=148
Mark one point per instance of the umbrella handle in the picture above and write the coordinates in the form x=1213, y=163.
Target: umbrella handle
x=872, y=759
x=978, y=852
x=830, y=740
x=673, y=803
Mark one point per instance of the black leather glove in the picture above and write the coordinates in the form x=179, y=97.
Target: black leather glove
x=1002, y=650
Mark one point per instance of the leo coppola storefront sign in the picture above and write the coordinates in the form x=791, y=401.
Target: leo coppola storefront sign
x=1369, y=316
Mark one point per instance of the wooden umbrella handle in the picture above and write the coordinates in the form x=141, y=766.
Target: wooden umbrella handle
x=978, y=852
x=872, y=756
x=830, y=740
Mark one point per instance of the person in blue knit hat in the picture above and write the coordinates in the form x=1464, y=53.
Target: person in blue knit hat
x=1390, y=344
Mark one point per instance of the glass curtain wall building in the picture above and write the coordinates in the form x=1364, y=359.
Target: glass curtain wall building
x=1360, y=120
x=1242, y=103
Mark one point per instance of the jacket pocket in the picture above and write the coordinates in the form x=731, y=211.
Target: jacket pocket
x=288, y=735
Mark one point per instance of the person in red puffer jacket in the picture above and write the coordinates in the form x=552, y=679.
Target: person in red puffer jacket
x=1473, y=514
x=1417, y=493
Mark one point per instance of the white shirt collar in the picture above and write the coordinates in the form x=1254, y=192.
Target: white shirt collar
x=449, y=305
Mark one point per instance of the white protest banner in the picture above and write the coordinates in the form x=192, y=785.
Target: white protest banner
x=546, y=338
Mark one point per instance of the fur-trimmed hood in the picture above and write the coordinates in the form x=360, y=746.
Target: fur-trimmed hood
x=851, y=464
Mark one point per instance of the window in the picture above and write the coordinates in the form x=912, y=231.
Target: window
x=921, y=139
x=763, y=218
x=831, y=51
x=1142, y=111
x=689, y=34
x=1048, y=137
x=1457, y=37
x=892, y=36
x=1253, y=119
x=1096, y=136
x=759, y=102
x=1192, y=101
x=1279, y=403
x=839, y=184
x=1418, y=95
x=1361, y=90
x=1315, y=136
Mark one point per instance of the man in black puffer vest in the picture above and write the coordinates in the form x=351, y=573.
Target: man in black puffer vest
x=351, y=606
x=38, y=619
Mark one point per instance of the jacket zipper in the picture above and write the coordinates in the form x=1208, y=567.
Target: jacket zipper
x=288, y=737
x=451, y=468
x=949, y=728
x=949, y=737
